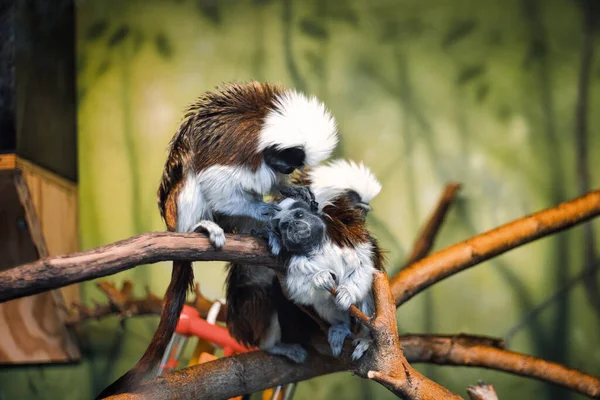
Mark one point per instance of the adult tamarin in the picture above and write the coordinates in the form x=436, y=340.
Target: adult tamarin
x=234, y=145
x=259, y=315
x=347, y=259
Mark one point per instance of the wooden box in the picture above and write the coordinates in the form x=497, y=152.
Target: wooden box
x=38, y=218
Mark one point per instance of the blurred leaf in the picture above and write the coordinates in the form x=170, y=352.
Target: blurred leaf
x=504, y=113
x=467, y=74
x=138, y=41
x=103, y=67
x=96, y=30
x=163, y=46
x=316, y=63
x=537, y=50
x=261, y=2
x=396, y=30
x=210, y=9
x=496, y=38
x=313, y=29
x=384, y=234
x=119, y=35
x=413, y=27
x=482, y=92
x=390, y=31
x=342, y=11
x=458, y=32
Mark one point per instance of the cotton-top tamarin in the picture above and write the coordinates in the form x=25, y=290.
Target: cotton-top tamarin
x=234, y=145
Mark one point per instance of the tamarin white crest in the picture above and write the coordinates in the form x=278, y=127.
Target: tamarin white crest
x=339, y=177
x=345, y=257
x=234, y=145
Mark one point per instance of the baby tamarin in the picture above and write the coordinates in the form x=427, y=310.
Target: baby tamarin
x=346, y=257
x=234, y=146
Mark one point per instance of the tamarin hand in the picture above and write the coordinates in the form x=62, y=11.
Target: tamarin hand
x=266, y=211
x=273, y=240
x=303, y=193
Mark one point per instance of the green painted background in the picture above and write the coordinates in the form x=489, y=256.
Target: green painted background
x=481, y=92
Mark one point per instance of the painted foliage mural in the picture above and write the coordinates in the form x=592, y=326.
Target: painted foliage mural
x=499, y=96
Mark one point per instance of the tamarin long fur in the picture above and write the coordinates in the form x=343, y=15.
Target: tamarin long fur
x=234, y=145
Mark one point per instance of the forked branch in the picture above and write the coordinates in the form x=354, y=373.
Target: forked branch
x=385, y=361
x=256, y=371
x=426, y=238
x=442, y=264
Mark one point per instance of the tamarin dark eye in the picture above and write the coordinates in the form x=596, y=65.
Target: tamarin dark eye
x=346, y=221
x=284, y=225
x=299, y=214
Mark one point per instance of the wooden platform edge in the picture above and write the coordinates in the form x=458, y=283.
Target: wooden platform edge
x=11, y=162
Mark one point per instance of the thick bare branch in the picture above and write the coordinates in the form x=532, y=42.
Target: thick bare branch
x=385, y=361
x=454, y=351
x=424, y=273
x=426, y=239
x=233, y=376
x=257, y=371
x=53, y=272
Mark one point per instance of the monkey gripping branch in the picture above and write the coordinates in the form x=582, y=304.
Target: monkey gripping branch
x=388, y=360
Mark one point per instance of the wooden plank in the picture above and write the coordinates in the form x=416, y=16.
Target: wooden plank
x=48, y=176
x=8, y=161
x=55, y=202
x=35, y=229
x=16, y=246
x=32, y=329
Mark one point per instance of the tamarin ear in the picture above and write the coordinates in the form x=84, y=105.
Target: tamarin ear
x=284, y=161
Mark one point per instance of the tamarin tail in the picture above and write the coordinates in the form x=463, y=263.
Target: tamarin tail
x=182, y=279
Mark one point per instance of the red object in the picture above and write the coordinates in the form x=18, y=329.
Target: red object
x=191, y=324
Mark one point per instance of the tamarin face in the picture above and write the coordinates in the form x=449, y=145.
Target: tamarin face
x=299, y=229
x=284, y=161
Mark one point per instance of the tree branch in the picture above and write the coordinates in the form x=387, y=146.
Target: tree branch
x=426, y=238
x=424, y=273
x=385, y=362
x=355, y=312
x=258, y=370
x=451, y=350
x=147, y=248
x=122, y=304
x=53, y=272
